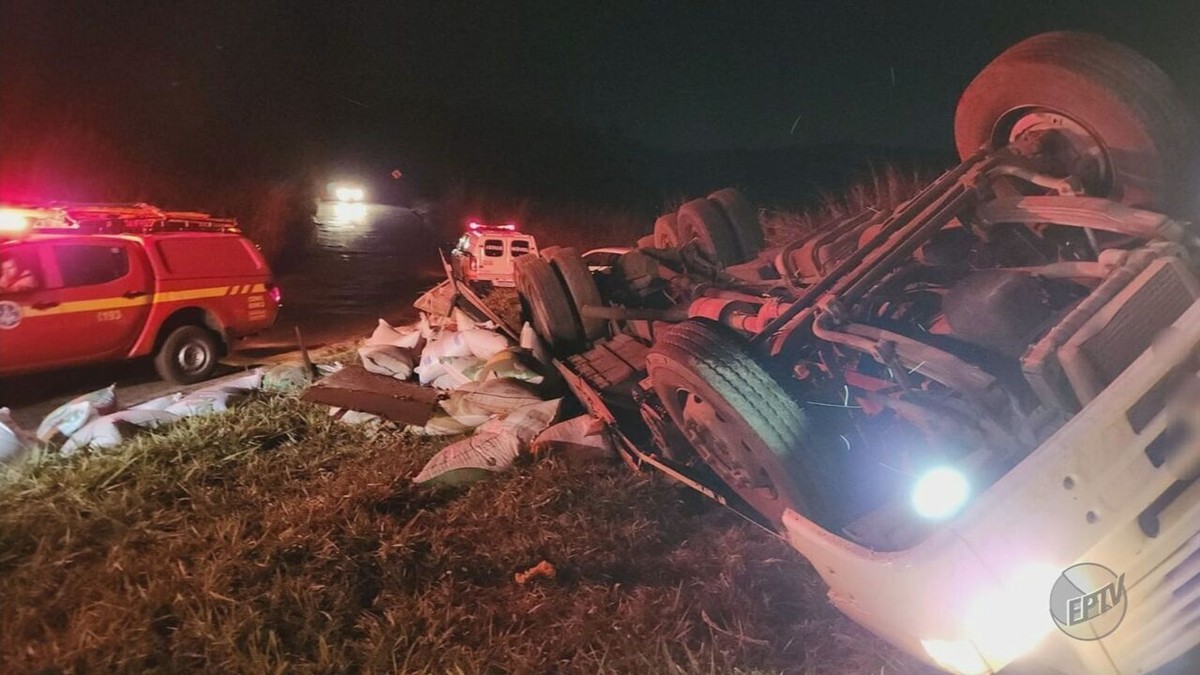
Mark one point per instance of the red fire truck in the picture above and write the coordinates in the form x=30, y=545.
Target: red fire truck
x=85, y=283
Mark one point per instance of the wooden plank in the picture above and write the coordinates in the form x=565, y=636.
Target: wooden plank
x=354, y=388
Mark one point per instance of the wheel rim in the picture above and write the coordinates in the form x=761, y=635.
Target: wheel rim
x=718, y=441
x=728, y=445
x=193, y=357
x=1079, y=151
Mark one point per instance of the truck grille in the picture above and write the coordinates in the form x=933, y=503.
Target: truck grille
x=1121, y=330
x=1163, y=617
x=1156, y=299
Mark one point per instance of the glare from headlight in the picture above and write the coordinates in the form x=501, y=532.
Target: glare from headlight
x=1000, y=624
x=940, y=493
x=346, y=213
x=1005, y=623
x=956, y=656
x=349, y=194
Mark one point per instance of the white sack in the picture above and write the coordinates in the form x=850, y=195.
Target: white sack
x=449, y=344
x=531, y=342
x=509, y=363
x=462, y=321
x=459, y=371
x=72, y=415
x=578, y=439
x=160, y=403
x=14, y=441
x=355, y=417
x=429, y=369
x=205, y=402
x=251, y=381
x=524, y=423
x=440, y=425
x=494, y=397
x=387, y=360
x=110, y=431
x=388, y=335
x=471, y=459
x=484, y=344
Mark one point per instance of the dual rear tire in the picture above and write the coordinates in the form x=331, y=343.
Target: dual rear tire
x=724, y=225
x=554, y=288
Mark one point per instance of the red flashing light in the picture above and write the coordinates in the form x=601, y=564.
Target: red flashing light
x=475, y=225
x=276, y=294
x=511, y=227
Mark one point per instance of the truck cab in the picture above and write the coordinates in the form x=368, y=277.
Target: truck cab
x=85, y=284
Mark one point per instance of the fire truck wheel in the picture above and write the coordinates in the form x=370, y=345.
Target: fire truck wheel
x=1125, y=131
x=740, y=421
x=702, y=220
x=190, y=354
x=581, y=288
x=666, y=232
x=743, y=218
x=544, y=299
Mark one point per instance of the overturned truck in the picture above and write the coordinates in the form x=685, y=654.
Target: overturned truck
x=946, y=405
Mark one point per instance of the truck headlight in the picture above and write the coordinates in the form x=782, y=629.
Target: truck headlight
x=956, y=656
x=940, y=493
x=1000, y=624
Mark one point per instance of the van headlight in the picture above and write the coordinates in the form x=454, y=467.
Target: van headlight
x=1000, y=624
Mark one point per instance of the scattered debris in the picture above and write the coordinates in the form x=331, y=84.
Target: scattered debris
x=388, y=360
x=386, y=335
x=286, y=378
x=493, y=449
x=579, y=440
x=109, y=431
x=70, y=417
x=354, y=388
x=542, y=570
x=14, y=441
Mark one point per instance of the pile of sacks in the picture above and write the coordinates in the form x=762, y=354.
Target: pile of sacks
x=96, y=421
x=446, y=357
x=496, y=390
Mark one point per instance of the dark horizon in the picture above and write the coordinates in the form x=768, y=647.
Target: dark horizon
x=232, y=92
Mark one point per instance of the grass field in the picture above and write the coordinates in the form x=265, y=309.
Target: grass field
x=274, y=539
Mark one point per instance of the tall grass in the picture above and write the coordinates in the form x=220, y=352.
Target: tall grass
x=274, y=539
x=879, y=189
x=584, y=225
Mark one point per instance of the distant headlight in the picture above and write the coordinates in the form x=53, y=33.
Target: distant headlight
x=349, y=194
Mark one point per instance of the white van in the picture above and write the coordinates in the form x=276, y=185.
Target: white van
x=484, y=255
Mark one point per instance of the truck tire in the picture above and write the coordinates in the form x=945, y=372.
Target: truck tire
x=581, y=289
x=701, y=219
x=544, y=298
x=1113, y=98
x=666, y=232
x=741, y=422
x=188, y=355
x=744, y=219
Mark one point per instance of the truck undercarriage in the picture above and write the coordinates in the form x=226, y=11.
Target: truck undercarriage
x=880, y=391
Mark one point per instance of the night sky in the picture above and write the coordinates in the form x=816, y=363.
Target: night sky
x=236, y=81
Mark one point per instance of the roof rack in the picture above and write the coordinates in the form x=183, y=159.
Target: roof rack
x=138, y=218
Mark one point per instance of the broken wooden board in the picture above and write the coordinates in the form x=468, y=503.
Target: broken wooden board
x=354, y=388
